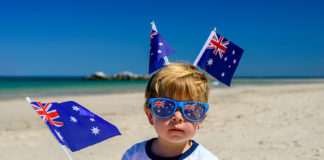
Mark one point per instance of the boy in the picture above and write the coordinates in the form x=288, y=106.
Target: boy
x=175, y=105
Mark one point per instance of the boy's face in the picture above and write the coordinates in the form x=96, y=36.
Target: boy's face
x=175, y=129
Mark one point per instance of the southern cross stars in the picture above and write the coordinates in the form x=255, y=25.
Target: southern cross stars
x=95, y=130
x=92, y=119
x=75, y=108
x=160, y=44
x=73, y=119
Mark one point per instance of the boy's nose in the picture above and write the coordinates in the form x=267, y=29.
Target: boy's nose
x=177, y=117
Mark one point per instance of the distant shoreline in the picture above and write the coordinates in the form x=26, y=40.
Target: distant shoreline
x=57, y=86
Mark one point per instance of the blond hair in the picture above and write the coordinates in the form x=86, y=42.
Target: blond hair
x=178, y=80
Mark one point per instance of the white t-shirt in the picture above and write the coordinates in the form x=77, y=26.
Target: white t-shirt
x=142, y=151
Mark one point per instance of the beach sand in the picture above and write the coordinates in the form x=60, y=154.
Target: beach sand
x=272, y=122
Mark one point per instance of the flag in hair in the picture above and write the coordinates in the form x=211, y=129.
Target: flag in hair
x=159, y=51
x=73, y=125
x=219, y=57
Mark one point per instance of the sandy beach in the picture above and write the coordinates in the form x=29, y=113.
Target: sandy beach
x=248, y=122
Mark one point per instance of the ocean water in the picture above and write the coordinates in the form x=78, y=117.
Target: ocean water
x=14, y=87
x=11, y=87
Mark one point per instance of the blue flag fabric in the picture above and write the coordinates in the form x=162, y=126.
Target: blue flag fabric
x=73, y=125
x=219, y=57
x=159, y=51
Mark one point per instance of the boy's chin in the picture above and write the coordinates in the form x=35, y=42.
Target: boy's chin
x=176, y=138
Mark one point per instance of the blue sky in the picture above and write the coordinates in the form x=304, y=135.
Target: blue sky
x=72, y=38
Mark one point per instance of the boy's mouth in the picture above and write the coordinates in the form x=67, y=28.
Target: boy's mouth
x=176, y=129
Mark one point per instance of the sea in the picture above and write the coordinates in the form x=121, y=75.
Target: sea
x=20, y=87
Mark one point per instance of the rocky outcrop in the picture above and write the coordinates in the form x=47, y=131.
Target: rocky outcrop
x=124, y=76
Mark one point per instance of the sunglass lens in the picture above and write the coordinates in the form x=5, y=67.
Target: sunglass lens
x=163, y=108
x=194, y=111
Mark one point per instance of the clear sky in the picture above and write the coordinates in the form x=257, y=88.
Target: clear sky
x=72, y=38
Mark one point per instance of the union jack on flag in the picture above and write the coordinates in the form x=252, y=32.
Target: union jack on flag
x=47, y=113
x=73, y=125
x=153, y=32
x=218, y=44
x=221, y=67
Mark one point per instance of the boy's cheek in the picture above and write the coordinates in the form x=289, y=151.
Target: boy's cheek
x=200, y=123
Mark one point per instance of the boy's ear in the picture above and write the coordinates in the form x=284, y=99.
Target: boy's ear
x=200, y=123
x=149, y=115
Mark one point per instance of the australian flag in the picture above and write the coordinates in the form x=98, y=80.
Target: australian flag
x=219, y=57
x=73, y=125
x=159, y=51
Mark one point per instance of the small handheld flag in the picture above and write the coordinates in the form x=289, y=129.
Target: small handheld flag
x=73, y=125
x=159, y=51
x=219, y=57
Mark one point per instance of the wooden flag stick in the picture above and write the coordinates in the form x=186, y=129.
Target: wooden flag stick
x=66, y=152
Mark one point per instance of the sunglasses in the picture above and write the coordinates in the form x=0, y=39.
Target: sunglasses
x=165, y=108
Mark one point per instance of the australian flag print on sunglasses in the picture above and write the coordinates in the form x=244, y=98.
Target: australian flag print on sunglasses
x=165, y=108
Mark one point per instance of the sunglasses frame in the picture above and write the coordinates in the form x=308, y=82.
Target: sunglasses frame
x=180, y=104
